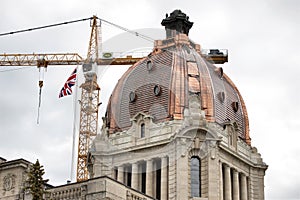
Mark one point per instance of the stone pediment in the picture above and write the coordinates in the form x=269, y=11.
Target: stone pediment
x=231, y=123
x=140, y=116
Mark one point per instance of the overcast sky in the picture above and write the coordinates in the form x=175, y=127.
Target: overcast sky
x=262, y=37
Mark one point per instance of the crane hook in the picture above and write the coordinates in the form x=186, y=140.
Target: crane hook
x=41, y=84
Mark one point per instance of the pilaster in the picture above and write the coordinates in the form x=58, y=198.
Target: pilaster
x=235, y=182
x=134, y=176
x=227, y=182
x=164, y=178
x=149, y=177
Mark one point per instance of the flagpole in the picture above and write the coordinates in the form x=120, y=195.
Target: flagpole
x=74, y=124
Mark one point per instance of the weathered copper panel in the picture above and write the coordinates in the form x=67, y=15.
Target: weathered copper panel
x=192, y=68
x=206, y=88
x=178, y=85
x=194, y=86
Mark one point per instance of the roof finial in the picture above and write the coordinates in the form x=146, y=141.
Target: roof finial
x=177, y=22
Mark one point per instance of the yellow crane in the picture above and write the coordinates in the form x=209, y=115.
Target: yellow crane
x=90, y=89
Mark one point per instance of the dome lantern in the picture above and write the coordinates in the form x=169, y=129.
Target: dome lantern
x=177, y=22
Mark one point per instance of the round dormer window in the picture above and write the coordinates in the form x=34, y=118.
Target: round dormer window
x=157, y=90
x=132, y=96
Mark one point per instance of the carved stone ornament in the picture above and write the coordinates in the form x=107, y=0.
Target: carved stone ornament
x=9, y=182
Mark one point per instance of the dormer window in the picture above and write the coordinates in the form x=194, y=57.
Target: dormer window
x=149, y=65
x=232, y=129
x=157, y=90
x=142, y=130
x=141, y=123
x=132, y=97
x=235, y=106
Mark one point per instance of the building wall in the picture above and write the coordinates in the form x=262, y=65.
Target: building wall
x=12, y=179
x=217, y=146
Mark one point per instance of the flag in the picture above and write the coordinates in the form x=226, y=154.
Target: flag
x=67, y=88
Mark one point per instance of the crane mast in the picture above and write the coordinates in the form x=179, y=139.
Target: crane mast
x=88, y=123
x=89, y=102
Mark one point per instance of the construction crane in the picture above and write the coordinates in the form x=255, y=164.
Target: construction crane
x=89, y=102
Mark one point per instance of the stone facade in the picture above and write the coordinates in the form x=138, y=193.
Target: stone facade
x=159, y=164
x=184, y=134
x=12, y=178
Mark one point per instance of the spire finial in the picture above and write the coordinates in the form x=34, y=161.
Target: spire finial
x=177, y=22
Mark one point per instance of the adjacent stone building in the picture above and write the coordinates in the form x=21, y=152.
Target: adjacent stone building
x=12, y=178
x=176, y=127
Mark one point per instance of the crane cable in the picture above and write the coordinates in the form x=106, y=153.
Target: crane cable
x=127, y=30
x=42, y=27
x=80, y=20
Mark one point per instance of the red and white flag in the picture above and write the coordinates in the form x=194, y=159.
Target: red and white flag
x=67, y=88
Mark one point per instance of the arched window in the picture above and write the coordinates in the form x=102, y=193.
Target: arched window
x=195, y=176
x=142, y=130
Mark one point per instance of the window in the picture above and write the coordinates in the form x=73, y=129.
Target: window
x=221, y=97
x=149, y=65
x=221, y=73
x=132, y=97
x=157, y=90
x=195, y=177
x=142, y=130
x=232, y=134
x=235, y=106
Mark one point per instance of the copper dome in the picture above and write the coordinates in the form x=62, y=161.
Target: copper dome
x=160, y=84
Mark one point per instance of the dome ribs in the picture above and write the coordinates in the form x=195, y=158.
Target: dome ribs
x=207, y=98
x=178, y=86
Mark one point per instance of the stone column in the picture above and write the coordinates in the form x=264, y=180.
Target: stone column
x=149, y=177
x=235, y=182
x=227, y=182
x=221, y=181
x=244, y=189
x=164, y=179
x=140, y=176
x=134, y=176
x=120, y=176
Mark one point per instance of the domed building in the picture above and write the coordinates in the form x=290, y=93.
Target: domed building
x=176, y=126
